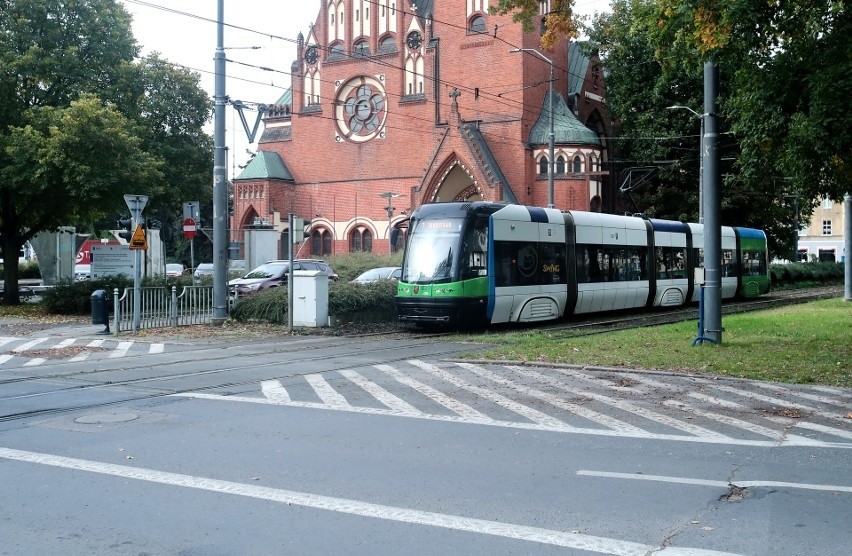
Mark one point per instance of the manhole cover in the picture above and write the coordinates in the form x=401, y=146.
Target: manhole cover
x=107, y=418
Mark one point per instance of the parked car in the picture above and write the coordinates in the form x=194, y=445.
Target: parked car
x=272, y=274
x=82, y=272
x=203, y=269
x=381, y=273
x=173, y=270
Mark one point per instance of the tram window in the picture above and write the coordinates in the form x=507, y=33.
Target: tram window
x=600, y=263
x=529, y=264
x=671, y=262
x=754, y=263
x=728, y=267
x=475, y=249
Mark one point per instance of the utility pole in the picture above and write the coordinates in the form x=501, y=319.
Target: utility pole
x=220, y=179
x=712, y=210
x=847, y=256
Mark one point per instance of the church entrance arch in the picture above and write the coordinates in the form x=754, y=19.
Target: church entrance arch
x=455, y=183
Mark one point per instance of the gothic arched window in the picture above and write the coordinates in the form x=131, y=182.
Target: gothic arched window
x=542, y=166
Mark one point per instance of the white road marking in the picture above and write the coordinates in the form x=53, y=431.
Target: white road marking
x=6, y=357
x=577, y=409
x=64, y=343
x=577, y=541
x=487, y=421
x=527, y=412
x=95, y=343
x=718, y=401
x=82, y=356
x=706, y=482
x=122, y=349
x=7, y=340
x=640, y=411
x=738, y=423
x=275, y=392
x=385, y=397
x=803, y=395
x=776, y=401
x=29, y=345
x=437, y=396
x=326, y=393
x=790, y=422
x=35, y=362
x=156, y=348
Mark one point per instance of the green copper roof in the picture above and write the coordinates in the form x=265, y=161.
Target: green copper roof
x=578, y=64
x=266, y=166
x=567, y=129
x=286, y=98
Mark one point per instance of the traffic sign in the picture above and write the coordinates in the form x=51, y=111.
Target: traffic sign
x=189, y=228
x=138, y=241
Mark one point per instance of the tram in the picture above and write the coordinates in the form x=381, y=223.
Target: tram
x=485, y=262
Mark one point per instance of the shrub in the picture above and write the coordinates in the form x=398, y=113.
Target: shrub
x=805, y=274
x=75, y=298
x=349, y=265
x=29, y=269
x=343, y=297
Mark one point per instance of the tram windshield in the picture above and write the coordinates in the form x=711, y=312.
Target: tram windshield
x=431, y=255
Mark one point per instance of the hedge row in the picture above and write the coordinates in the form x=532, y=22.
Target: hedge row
x=806, y=274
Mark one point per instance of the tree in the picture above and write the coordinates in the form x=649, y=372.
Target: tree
x=790, y=78
x=781, y=87
x=560, y=22
x=81, y=123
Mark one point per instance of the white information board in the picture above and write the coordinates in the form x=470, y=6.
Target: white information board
x=112, y=260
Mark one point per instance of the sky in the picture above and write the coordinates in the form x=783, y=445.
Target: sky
x=257, y=34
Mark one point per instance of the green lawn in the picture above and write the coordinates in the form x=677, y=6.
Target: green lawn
x=809, y=344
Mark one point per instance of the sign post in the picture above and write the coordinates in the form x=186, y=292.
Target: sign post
x=189, y=229
x=136, y=204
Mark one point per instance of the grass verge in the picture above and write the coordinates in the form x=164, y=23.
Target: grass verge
x=809, y=343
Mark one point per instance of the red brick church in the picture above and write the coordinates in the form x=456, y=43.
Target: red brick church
x=397, y=103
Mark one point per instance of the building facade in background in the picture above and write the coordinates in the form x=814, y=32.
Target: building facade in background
x=397, y=103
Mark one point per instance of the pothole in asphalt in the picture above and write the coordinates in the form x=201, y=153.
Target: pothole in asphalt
x=735, y=494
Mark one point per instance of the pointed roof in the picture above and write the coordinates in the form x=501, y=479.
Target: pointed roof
x=578, y=65
x=488, y=163
x=265, y=166
x=567, y=129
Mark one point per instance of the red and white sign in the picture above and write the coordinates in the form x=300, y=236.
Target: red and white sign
x=189, y=228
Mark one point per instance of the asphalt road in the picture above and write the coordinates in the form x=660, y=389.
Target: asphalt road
x=352, y=445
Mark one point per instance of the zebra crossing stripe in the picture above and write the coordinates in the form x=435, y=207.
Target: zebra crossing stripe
x=274, y=391
x=29, y=345
x=156, y=348
x=457, y=407
x=95, y=343
x=80, y=357
x=586, y=413
x=326, y=393
x=5, y=357
x=64, y=343
x=739, y=423
x=35, y=362
x=7, y=340
x=385, y=397
x=122, y=349
x=637, y=410
x=527, y=412
x=803, y=395
x=776, y=401
x=717, y=401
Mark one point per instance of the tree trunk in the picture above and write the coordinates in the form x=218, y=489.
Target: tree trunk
x=10, y=271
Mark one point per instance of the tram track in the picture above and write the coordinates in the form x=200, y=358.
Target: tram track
x=659, y=317
x=345, y=363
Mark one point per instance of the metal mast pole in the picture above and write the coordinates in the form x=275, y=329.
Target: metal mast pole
x=712, y=210
x=550, y=140
x=847, y=257
x=220, y=179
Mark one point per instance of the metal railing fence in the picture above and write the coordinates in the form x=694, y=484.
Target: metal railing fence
x=162, y=307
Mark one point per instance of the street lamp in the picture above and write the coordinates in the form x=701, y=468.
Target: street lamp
x=550, y=137
x=700, y=159
x=389, y=195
